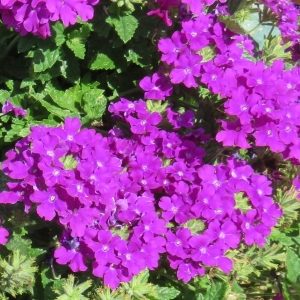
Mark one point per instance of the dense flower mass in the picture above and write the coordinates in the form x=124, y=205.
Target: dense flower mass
x=34, y=16
x=262, y=101
x=116, y=196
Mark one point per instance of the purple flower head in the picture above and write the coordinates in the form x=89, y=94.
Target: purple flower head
x=162, y=12
x=8, y=107
x=225, y=234
x=187, y=67
x=144, y=123
x=234, y=134
x=196, y=31
x=71, y=251
x=177, y=244
x=172, y=47
x=174, y=207
x=195, y=6
x=200, y=245
x=130, y=256
x=50, y=202
x=212, y=76
x=104, y=247
x=253, y=233
x=156, y=87
x=178, y=120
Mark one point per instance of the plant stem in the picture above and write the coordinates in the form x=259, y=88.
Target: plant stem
x=10, y=46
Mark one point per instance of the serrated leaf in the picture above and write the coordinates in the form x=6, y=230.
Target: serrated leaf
x=293, y=265
x=77, y=40
x=125, y=26
x=45, y=58
x=18, y=242
x=53, y=109
x=70, y=67
x=281, y=237
x=65, y=99
x=95, y=103
x=59, y=36
x=19, y=128
x=166, y=293
x=27, y=82
x=216, y=291
x=101, y=61
x=4, y=95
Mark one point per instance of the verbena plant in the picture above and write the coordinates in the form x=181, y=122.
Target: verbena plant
x=150, y=149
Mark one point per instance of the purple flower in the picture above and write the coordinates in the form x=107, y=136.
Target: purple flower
x=225, y=234
x=186, y=268
x=200, y=245
x=144, y=123
x=187, y=67
x=71, y=251
x=156, y=87
x=8, y=107
x=177, y=244
x=110, y=272
x=181, y=120
x=51, y=201
x=253, y=233
x=212, y=76
x=267, y=135
x=104, y=248
x=196, y=31
x=174, y=207
x=129, y=254
x=172, y=47
x=234, y=134
x=78, y=219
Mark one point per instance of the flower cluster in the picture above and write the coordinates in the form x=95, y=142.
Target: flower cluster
x=287, y=14
x=125, y=199
x=262, y=101
x=34, y=16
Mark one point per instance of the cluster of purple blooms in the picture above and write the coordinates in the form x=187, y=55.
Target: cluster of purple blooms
x=128, y=198
x=34, y=16
x=262, y=102
x=288, y=15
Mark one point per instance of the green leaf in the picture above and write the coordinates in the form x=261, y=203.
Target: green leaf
x=53, y=109
x=59, y=36
x=65, y=99
x=95, y=103
x=216, y=291
x=281, y=237
x=26, y=43
x=293, y=265
x=18, y=242
x=285, y=289
x=101, y=61
x=125, y=26
x=70, y=66
x=45, y=57
x=27, y=82
x=77, y=40
x=166, y=293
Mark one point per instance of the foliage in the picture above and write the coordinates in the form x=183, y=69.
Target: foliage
x=62, y=69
